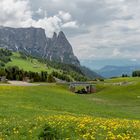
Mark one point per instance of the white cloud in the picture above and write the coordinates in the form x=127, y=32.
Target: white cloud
x=117, y=38
x=14, y=13
x=71, y=24
x=101, y=28
x=65, y=16
x=116, y=52
x=17, y=13
x=40, y=12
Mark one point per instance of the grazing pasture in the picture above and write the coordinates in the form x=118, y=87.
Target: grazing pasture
x=52, y=111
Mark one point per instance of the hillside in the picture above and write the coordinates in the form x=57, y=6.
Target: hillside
x=28, y=64
x=42, y=109
x=34, y=42
x=105, y=103
x=24, y=63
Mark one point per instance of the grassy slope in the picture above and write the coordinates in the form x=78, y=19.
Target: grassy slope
x=25, y=110
x=111, y=101
x=29, y=64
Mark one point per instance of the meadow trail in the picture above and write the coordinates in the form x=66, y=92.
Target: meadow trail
x=23, y=83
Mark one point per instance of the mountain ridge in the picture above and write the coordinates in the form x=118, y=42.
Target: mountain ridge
x=35, y=42
x=114, y=71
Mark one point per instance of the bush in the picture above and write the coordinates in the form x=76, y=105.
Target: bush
x=2, y=64
x=136, y=74
x=50, y=79
x=4, y=56
x=49, y=133
x=61, y=76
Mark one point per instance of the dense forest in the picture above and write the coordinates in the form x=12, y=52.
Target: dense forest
x=14, y=73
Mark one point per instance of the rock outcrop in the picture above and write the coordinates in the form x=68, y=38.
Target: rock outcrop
x=34, y=42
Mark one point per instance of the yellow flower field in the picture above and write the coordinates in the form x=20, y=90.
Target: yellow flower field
x=69, y=127
x=53, y=113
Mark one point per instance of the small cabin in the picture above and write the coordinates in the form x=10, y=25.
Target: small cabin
x=82, y=88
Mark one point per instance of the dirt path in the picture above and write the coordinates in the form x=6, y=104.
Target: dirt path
x=19, y=83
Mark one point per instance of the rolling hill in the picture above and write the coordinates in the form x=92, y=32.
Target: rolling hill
x=47, y=111
x=27, y=63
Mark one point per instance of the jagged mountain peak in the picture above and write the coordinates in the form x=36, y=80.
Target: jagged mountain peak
x=61, y=34
x=54, y=36
x=34, y=41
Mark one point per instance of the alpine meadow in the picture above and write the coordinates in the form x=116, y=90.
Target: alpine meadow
x=69, y=70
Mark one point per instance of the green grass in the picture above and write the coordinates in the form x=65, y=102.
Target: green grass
x=28, y=64
x=110, y=101
x=121, y=79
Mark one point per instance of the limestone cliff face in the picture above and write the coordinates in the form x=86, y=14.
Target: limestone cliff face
x=34, y=41
x=59, y=49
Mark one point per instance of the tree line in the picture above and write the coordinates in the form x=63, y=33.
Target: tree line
x=14, y=73
x=136, y=73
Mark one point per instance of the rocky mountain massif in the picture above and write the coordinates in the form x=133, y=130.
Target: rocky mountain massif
x=34, y=42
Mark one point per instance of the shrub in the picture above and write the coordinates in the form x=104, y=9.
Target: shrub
x=50, y=79
x=49, y=133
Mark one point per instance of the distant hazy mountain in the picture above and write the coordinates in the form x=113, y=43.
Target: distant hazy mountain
x=89, y=73
x=112, y=71
x=98, y=64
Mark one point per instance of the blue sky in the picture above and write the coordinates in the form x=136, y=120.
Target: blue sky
x=97, y=29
